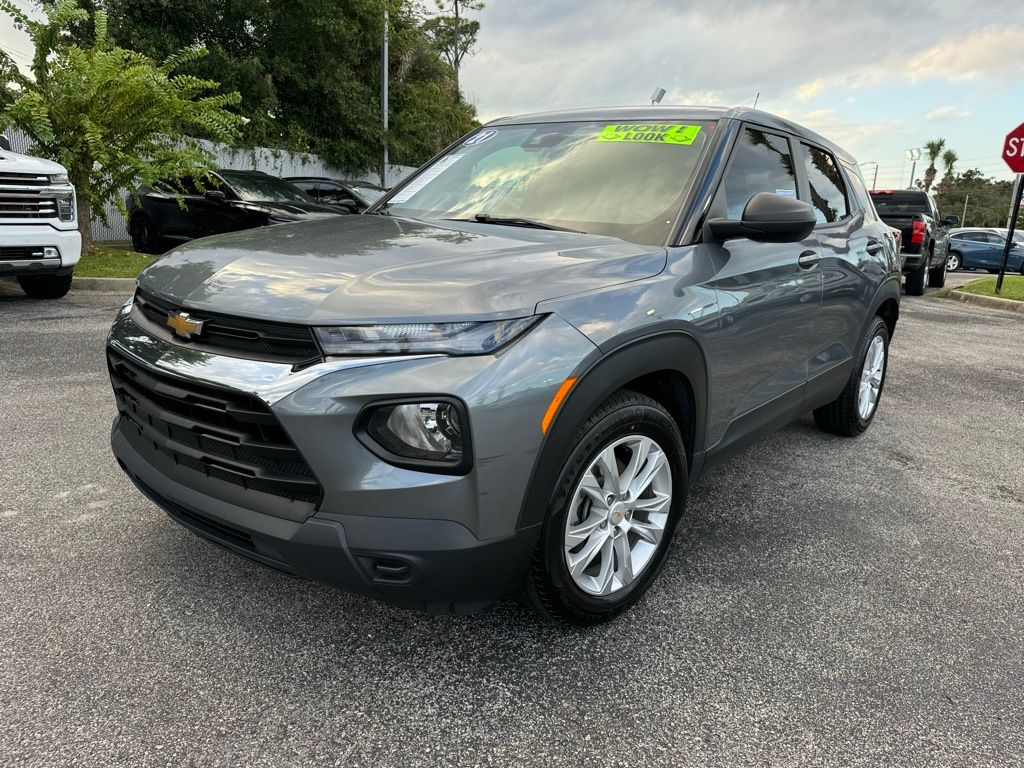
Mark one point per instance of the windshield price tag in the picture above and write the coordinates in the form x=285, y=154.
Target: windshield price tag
x=650, y=133
x=425, y=178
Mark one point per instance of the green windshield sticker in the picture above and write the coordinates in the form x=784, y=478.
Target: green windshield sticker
x=650, y=133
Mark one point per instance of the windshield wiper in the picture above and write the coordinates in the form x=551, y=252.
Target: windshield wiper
x=513, y=221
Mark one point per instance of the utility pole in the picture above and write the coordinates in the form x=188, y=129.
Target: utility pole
x=384, y=102
x=874, y=183
x=963, y=219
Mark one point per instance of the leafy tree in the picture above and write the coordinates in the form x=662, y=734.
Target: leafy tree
x=454, y=35
x=308, y=72
x=989, y=200
x=934, y=149
x=113, y=117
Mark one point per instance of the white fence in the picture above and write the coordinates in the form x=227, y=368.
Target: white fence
x=276, y=162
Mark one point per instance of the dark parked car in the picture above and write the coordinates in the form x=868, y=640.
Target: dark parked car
x=172, y=212
x=355, y=196
x=508, y=373
x=916, y=214
x=977, y=248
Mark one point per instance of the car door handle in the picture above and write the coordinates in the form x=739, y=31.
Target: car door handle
x=808, y=259
x=874, y=246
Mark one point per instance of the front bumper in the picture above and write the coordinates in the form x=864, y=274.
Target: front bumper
x=67, y=242
x=439, y=542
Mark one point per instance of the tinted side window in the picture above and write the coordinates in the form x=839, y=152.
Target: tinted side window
x=974, y=237
x=333, y=194
x=989, y=237
x=828, y=193
x=762, y=162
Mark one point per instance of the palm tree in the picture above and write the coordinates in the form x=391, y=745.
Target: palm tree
x=934, y=149
x=949, y=158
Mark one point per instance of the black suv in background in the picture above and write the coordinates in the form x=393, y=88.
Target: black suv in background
x=176, y=211
x=916, y=215
x=355, y=196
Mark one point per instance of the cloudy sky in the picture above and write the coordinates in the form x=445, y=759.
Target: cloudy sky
x=874, y=76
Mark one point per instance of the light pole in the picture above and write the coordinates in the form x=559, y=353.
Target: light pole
x=915, y=155
x=384, y=102
x=874, y=183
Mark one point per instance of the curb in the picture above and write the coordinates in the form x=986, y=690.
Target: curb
x=104, y=284
x=992, y=302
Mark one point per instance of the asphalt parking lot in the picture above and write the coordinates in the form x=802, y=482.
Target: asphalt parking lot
x=840, y=602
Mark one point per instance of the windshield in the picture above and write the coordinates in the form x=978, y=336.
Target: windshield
x=623, y=180
x=261, y=188
x=369, y=194
x=897, y=204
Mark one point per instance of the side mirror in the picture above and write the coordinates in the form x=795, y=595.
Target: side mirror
x=5, y=143
x=951, y=221
x=767, y=218
x=215, y=195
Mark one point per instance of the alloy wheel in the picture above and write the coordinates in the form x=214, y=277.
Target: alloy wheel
x=617, y=515
x=871, y=378
x=953, y=262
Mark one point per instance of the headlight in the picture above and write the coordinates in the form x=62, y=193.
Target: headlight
x=429, y=435
x=467, y=338
x=66, y=207
x=58, y=178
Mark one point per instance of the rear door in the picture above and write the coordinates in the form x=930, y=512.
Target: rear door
x=769, y=294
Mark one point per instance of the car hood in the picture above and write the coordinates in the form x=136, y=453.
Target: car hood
x=377, y=268
x=12, y=162
x=297, y=211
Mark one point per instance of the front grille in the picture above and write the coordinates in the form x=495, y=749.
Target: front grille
x=21, y=252
x=24, y=179
x=255, y=338
x=225, y=435
x=26, y=203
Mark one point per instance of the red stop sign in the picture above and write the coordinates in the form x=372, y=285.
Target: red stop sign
x=1013, y=149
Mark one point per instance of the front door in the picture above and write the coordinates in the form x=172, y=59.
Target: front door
x=769, y=294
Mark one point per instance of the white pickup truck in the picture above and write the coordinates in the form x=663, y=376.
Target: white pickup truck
x=39, y=239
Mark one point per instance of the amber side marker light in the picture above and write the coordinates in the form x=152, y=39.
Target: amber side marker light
x=556, y=403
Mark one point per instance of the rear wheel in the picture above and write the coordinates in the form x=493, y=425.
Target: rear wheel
x=953, y=262
x=618, y=502
x=45, y=286
x=917, y=280
x=851, y=413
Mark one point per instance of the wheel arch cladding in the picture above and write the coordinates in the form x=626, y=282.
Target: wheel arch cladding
x=886, y=305
x=669, y=367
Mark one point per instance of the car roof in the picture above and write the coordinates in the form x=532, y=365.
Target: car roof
x=670, y=112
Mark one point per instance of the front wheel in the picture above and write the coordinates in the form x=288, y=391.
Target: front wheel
x=851, y=413
x=143, y=234
x=617, y=505
x=953, y=262
x=45, y=286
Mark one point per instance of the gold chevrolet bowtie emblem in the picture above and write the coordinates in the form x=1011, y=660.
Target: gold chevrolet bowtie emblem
x=183, y=325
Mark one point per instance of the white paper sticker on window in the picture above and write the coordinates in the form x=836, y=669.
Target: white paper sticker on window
x=425, y=178
x=786, y=192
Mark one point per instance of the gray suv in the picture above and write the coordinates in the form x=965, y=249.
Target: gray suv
x=508, y=373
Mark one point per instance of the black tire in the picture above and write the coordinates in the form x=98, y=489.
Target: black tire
x=45, y=286
x=1022, y=269
x=143, y=234
x=841, y=416
x=916, y=281
x=549, y=586
x=937, y=276
x=993, y=271
x=956, y=260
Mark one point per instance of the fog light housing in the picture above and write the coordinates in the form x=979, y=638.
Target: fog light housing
x=429, y=434
x=49, y=252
